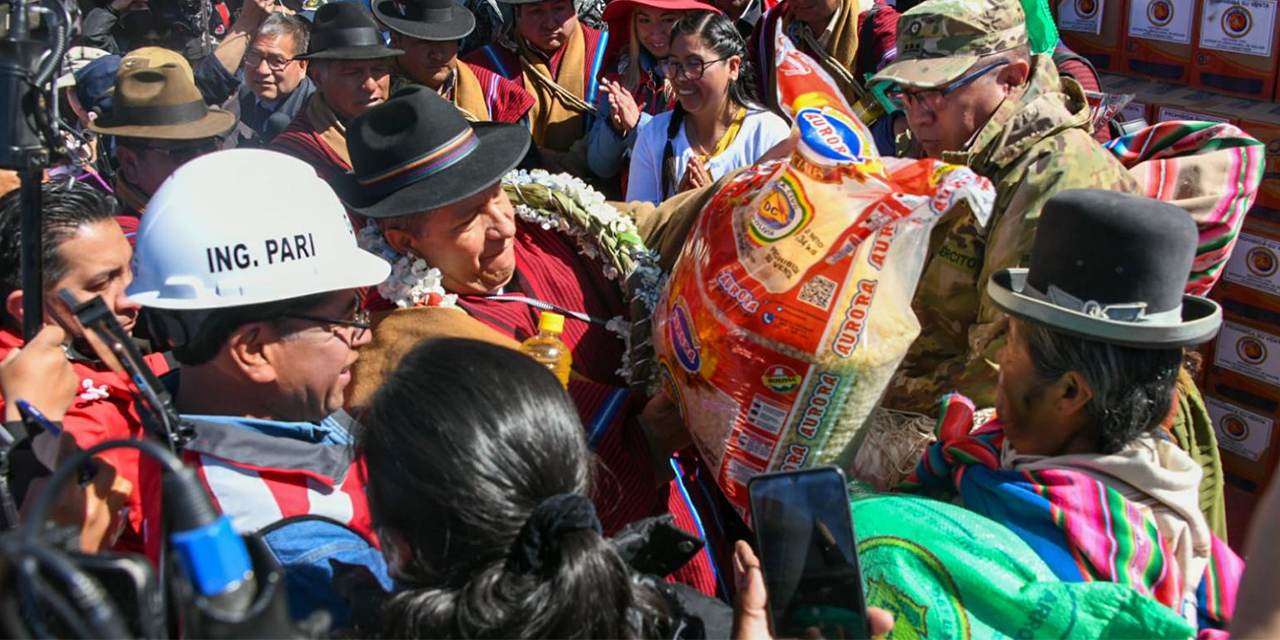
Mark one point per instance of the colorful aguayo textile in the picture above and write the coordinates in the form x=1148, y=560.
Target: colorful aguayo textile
x=1210, y=169
x=1082, y=529
x=947, y=572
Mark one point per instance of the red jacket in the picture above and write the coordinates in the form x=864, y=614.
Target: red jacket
x=105, y=411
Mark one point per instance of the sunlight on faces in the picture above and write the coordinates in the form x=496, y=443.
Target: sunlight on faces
x=961, y=113
x=265, y=82
x=1038, y=418
x=310, y=362
x=711, y=91
x=547, y=25
x=98, y=263
x=426, y=61
x=472, y=242
x=653, y=29
x=351, y=86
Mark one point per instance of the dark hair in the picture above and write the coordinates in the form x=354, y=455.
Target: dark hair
x=1132, y=387
x=279, y=24
x=64, y=209
x=463, y=441
x=197, y=336
x=719, y=34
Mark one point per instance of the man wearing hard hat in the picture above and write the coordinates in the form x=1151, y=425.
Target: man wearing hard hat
x=254, y=288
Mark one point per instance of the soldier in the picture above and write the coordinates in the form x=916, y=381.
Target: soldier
x=974, y=95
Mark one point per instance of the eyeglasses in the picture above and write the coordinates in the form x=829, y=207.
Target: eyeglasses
x=181, y=154
x=931, y=99
x=275, y=63
x=360, y=322
x=690, y=69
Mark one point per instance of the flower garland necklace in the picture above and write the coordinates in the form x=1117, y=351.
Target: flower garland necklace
x=570, y=206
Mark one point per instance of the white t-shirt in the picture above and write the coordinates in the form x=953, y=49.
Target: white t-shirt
x=760, y=131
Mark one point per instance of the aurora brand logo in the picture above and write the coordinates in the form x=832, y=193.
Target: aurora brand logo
x=830, y=133
x=1237, y=22
x=880, y=248
x=784, y=211
x=781, y=379
x=1234, y=427
x=683, y=340
x=795, y=457
x=855, y=321
x=1251, y=350
x=815, y=410
x=737, y=292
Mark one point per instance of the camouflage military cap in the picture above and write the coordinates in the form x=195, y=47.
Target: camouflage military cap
x=939, y=40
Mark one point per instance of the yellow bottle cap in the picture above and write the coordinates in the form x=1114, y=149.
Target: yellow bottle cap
x=551, y=322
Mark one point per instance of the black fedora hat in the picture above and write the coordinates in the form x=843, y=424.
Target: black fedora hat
x=436, y=20
x=345, y=30
x=1111, y=267
x=415, y=152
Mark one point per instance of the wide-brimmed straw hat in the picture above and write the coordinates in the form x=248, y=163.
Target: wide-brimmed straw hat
x=1111, y=267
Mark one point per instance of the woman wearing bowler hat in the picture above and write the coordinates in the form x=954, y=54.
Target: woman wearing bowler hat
x=429, y=32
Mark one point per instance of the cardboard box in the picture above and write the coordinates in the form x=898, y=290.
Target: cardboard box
x=1181, y=103
x=1093, y=29
x=1255, y=264
x=1244, y=416
x=1159, y=39
x=1236, y=49
x=1137, y=87
x=1250, y=352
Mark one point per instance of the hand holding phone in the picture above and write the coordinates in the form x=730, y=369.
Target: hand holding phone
x=808, y=554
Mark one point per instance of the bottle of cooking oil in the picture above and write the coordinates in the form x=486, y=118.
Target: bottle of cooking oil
x=548, y=349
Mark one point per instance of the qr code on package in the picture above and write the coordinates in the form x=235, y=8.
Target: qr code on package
x=818, y=291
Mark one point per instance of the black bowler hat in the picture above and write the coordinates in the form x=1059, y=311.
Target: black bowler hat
x=415, y=152
x=1111, y=267
x=437, y=20
x=346, y=31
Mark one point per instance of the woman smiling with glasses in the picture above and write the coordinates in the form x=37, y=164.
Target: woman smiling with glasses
x=717, y=125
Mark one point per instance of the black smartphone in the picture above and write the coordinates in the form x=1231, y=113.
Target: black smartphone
x=804, y=537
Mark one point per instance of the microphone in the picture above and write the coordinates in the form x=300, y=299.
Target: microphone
x=213, y=557
x=276, y=124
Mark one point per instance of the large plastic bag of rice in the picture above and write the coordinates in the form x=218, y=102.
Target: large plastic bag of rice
x=790, y=305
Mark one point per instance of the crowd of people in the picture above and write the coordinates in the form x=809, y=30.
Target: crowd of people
x=312, y=222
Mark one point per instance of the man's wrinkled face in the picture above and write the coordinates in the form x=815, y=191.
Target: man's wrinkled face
x=147, y=163
x=351, y=86
x=547, y=25
x=815, y=13
x=269, y=67
x=426, y=61
x=950, y=124
x=472, y=242
x=97, y=261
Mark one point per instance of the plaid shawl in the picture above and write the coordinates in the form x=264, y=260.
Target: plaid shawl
x=1084, y=530
x=1211, y=169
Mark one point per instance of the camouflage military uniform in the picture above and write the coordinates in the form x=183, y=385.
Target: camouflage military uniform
x=1034, y=146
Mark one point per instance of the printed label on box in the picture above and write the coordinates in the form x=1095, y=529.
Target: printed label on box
x=1255, y=263
x=1166, y=114
x=1133, y=111
x=1249, y=352
x=1241, y=432
x=1165, y=20
x=1239, y=26
x=1084, y=16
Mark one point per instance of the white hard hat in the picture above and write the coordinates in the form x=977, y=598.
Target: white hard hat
x=242, y=227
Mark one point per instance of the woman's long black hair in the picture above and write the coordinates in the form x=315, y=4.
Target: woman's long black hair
x=463, y=441
x=718, y=34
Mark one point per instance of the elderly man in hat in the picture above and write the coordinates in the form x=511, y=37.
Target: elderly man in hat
x=974, y=95
x=257, y=73
x=159, y=121
x=433, y=185
x=851, y=39
x=429, y=32
x=558, y=60
x=351, y=68
x=1076, y=453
